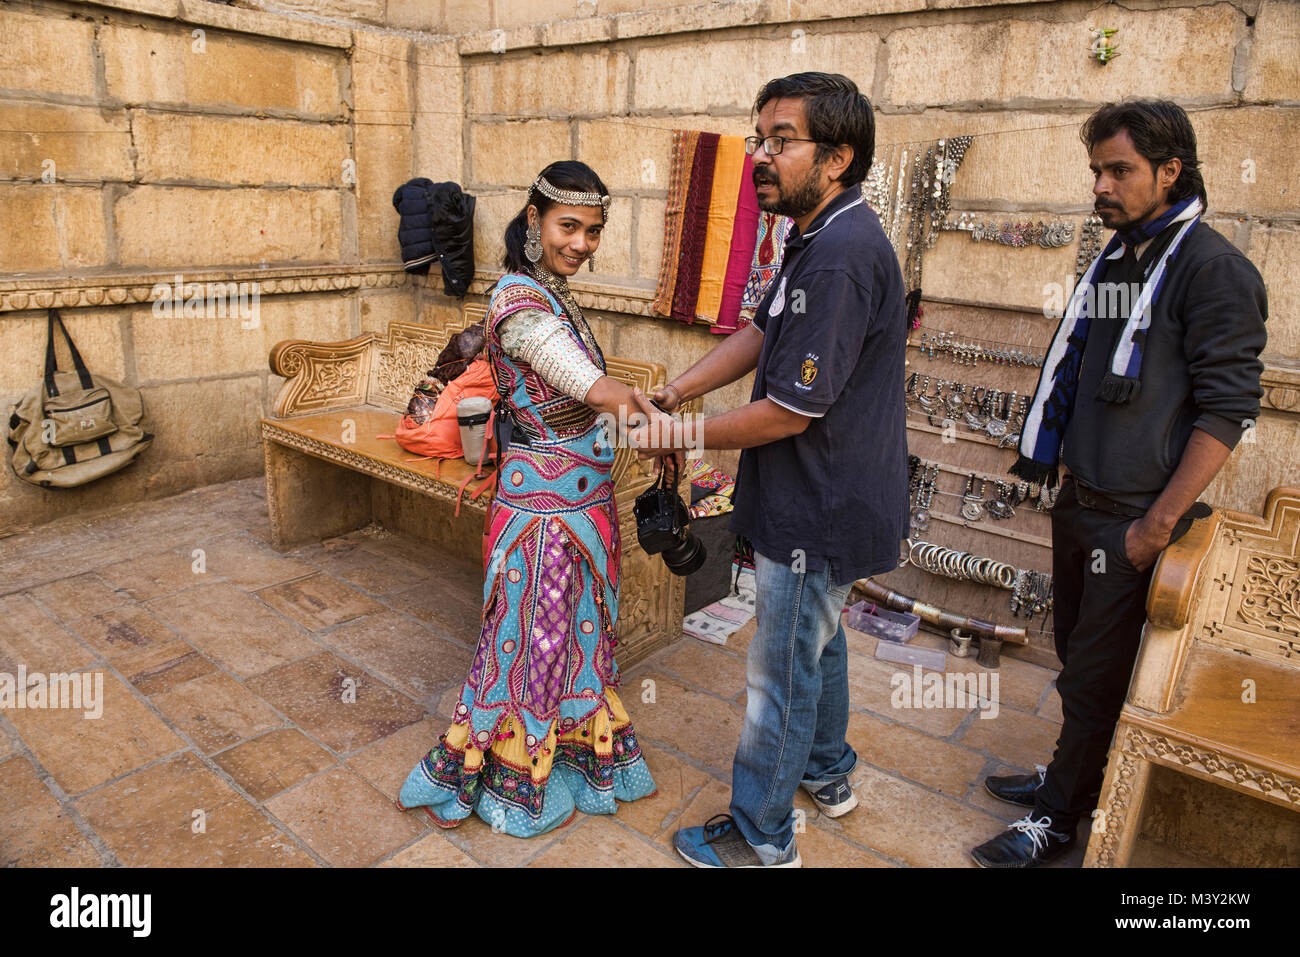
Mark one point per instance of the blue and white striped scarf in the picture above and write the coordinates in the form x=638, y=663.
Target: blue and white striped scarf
x=1053, y=403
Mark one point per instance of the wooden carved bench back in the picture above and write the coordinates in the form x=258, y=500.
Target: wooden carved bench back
x=1234, y=583
x=383, y=370
x=407, y=353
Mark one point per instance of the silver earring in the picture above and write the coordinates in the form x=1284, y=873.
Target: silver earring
x=591, y=263
x=533, y=244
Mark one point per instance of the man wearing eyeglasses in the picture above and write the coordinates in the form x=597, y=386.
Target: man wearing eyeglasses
x=822, y=486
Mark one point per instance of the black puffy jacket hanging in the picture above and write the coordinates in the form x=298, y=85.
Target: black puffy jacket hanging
x=437, y=223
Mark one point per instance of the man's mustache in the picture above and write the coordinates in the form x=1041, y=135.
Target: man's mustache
x=760, y=179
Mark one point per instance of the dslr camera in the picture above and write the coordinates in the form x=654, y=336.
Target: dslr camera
x=662, y=524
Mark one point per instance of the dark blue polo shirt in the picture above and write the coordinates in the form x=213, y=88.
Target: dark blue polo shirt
x=834, y=336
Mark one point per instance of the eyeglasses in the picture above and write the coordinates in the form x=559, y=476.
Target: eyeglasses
x=772, y=145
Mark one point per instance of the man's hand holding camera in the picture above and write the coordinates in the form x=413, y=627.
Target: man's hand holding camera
x=660, y=436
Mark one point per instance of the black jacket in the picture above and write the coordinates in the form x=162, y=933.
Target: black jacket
x=437, y=223
x=1200, y=367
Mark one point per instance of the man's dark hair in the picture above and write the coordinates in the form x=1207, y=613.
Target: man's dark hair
x=837, y=115
x=1160, y=131
x=565, y=174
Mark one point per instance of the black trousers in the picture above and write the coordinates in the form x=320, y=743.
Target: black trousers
x=1099, y=607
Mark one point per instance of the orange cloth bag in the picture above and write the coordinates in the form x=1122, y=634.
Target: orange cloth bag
x=438, y=436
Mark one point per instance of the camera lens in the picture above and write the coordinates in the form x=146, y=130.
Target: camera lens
x=687, y=556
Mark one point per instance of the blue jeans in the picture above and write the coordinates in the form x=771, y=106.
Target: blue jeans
x=798, y=702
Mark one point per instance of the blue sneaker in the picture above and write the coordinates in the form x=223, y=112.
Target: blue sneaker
x=719, y=843
x=835, y=799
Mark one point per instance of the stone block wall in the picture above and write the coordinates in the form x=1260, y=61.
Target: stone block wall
x=146, y=140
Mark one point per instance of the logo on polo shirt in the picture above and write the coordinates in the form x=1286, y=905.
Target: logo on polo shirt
x=778, y=301
x=808, y=371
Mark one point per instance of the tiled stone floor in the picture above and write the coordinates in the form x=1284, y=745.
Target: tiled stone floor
x=225, y=740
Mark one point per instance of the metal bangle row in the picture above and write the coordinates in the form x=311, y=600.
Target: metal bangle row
x=963, y=566
x=969, y=353
x=1019, y=235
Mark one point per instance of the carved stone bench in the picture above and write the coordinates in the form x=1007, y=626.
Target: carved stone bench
x=327, y=473
x=1215, y=696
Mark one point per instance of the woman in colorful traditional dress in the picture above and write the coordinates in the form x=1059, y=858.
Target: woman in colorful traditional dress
x=538, y=733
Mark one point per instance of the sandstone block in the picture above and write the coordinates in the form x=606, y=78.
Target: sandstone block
x=157, y=8
x=439, y=52
x=380, y=77
x=491, y=213
x=197, y=418
x=695, y=18
x=650, y=238
x=831, y=9
x=564, y=33
x=1274, y=72
x=439, y=311
x=727, y=74
x=913, y=824
x=569, y=84
x=1250, y=143
x=52, y=54
x=83, y=145
x=173, y=226
x=675, y=346
x=627, y=156
x=1255, y=467
x=439, y=153
x=52, y=227
x=414, y=15
x=512, y=154
x=466, y=16
x=239, y=151
x=166, y=66
x=371, y=11
x=608, y=7
x=383, y=164
x=378, y=309
x=270, y=24
x=1015, y=157
x=1161, y=49
x=180, y=347
x=958, y=268
x=1275, y=251
x=514, y=13
x=614, y=257
x=726, y=125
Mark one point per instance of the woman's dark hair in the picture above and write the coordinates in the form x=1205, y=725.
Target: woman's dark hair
x=837, y=115
x=566, y=174
x=1160, y=131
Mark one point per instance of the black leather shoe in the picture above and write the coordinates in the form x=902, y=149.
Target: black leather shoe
x=1016, y=788
x=1025, y=843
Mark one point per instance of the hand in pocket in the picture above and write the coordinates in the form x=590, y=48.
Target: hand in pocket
x=1142, y=543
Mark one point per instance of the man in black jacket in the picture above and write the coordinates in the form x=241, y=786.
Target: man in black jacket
x=1149, y=384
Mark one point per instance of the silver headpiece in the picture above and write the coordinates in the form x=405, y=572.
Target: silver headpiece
x=572, y=197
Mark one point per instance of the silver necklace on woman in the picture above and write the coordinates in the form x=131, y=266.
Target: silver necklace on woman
x=560, y=288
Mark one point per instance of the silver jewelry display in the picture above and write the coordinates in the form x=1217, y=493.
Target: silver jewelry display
x=533, y=244
x=572, y=197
